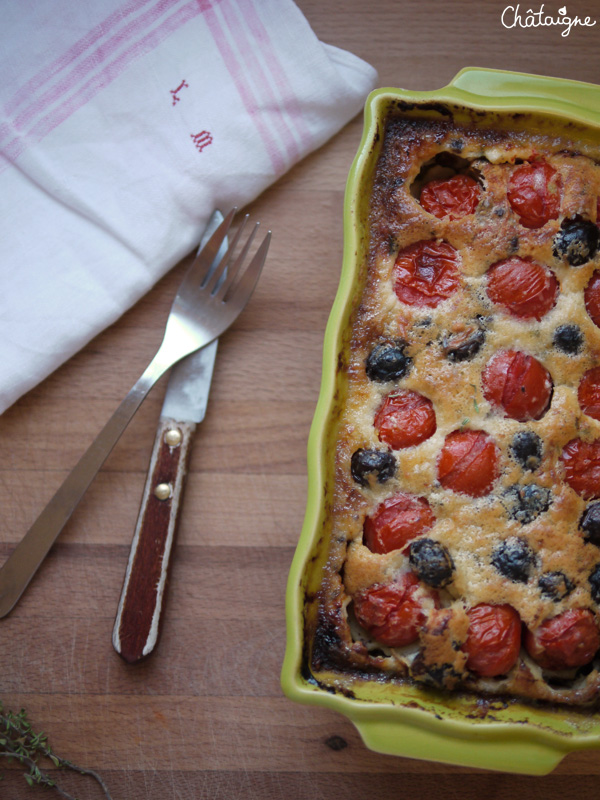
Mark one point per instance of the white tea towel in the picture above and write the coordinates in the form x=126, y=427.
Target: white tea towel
x=123, y=124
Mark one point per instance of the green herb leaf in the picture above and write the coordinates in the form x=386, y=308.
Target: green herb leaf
x=19, y=743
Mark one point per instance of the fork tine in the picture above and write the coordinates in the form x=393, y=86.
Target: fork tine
x=245, y=286
x=201, y=265
x=214, y=278
x=235, y=268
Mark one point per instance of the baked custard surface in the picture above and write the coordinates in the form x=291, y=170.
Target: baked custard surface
x=464, y=549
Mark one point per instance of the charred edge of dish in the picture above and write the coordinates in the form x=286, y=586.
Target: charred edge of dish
x=565, y=690
x=310, y=597
x=487, y=705
x=305, y=672
x=491, y=702
x=569, y=153
x=443, y=165
x=484, y=708
x=438, y=676
x=440, y=108
x=558, y=683
x=329, y=651
x=308, y=668
x=332, y=653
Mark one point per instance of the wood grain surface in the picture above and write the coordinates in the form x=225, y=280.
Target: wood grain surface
x=205, y=716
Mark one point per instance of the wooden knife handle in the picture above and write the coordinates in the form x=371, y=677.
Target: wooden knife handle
x=140, y=608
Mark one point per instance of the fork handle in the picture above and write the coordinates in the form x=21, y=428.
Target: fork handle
x=26, y=558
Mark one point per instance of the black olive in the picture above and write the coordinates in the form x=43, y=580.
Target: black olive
x=526, y=449
x=577, y=241
x=525, y=503
x=372, y=462
x=440, y=676
x=514, y=559
x=426, y=322
x=595, y=584
x=555, y=585
x=387, y=362
x=431, y=562
x=464, y=345
x=590, y=524
x=568, y=339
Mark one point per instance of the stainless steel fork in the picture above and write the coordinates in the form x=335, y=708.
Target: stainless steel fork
x=206, y=304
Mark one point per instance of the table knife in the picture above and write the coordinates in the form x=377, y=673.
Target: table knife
x=140, y=608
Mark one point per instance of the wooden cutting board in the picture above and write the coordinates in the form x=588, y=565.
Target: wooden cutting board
x=205, y=717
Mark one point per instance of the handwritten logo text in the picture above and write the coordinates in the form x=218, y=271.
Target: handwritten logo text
x=512, y=17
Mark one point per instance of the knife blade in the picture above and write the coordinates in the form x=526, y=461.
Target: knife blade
x=137, y=622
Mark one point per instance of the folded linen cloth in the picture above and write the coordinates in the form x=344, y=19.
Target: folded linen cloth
x=123, y=124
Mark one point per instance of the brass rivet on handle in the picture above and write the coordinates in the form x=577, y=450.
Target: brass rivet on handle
x=173, y=437
x=163, y=491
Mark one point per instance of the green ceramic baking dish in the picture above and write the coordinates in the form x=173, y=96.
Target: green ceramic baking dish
x=404, y=719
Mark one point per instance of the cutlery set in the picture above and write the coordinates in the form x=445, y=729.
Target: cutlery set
x=214, y=291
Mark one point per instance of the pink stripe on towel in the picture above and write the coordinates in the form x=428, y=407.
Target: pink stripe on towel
x=247, y=96
x=261, y=81
x=101, y=79
x=83, y=69
x=288, y=98
x=49, y=71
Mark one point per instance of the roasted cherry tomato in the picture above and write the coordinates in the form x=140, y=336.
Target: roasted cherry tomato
x=469, y=462
x=581, y=463
x=393, y=613
x=517, y=383
x=592, y=298
x=396, y=522
x=588, y=393
x=566, y=641
x=405, y=419
x=451, y=197
x=534, y=192
x=426, y=273
x=525, y=288
x=493, y=640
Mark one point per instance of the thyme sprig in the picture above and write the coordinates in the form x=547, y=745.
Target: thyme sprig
x=19, y=743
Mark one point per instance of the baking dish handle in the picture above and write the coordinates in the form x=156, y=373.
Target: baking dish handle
x=519, y=86
x=497, y=752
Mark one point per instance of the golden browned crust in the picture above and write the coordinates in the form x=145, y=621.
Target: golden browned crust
x=470, y=528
